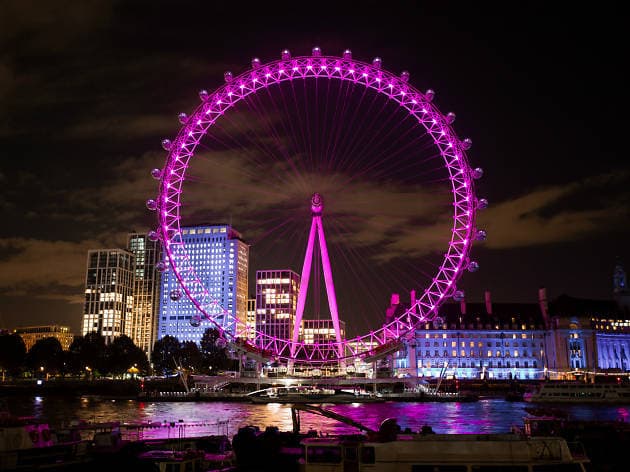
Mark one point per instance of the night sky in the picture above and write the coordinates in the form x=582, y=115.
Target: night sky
x=89, y=89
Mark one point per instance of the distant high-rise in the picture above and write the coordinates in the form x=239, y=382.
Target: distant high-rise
x=320, y=331
x=109, y=284
x=146, y=291
x=251, y=318
x=276, y=302
x=220, y=259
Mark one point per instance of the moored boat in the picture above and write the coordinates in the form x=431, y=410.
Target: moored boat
x=26, y=444
x=310, y=394
x=579, y=392
x=438, y=452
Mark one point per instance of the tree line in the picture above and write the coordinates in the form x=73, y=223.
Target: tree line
x=90, y=356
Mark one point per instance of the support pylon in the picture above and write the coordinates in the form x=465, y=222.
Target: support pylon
x=317, y=207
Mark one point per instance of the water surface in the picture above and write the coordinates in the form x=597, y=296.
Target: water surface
x=198, y=418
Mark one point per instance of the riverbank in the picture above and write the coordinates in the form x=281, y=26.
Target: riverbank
x=74, y=387
x=235, y=389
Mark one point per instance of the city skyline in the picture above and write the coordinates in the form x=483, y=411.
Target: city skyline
x=89, y=98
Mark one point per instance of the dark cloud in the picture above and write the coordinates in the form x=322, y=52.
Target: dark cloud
x=526, y=220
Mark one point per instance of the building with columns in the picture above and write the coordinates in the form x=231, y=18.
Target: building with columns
x=31, y=334
x=565, y=338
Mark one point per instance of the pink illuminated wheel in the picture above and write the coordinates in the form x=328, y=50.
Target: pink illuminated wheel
x=396, y=89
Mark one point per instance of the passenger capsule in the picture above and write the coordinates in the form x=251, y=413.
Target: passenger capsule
x=175, y=294
x=481, y=235
x=477, y=173
x=347, y=54
x=151, y=204
x=429, y=94
x=458, y=296
x=473, y=266
x=482, y=204
x=466, y=143
x=156, y=174
x=286, y=55
x=255, y=63
x=166, y=144
x=153, y=235
x=183, y=118
x=161, y=266
x=316, y=51
x=204, y=95
x=228, y=77
x=450, y=118
x=195, y=321
x=377, y=62
x=404, y=76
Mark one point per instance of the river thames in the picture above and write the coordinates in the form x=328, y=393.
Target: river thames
x=201, y=418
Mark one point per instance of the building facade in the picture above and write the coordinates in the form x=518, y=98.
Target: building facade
x=468, y=342
x=31, y=334
x=276, y=302
x=221, y=260
x=109, y=285
x=567, y=338
x=146, y=290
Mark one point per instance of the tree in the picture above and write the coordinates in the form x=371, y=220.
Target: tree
x=165, y=351
x=46, y=355
x=190, y=356
x=74, y=361
x=12, y=353
x=87, y=354
x=214, y=350
x=122, y=354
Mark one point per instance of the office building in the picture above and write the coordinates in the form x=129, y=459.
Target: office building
x=146, y=290
x=109, y=286
x=220, y=259
x=320, y=331
x=251, y=318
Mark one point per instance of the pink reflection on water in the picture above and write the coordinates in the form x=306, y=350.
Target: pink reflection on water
x=204, y=418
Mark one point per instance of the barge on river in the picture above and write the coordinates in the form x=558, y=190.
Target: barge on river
x=579, y=392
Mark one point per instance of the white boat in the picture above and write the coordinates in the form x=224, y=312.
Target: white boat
x=310, y=394
x=441, y=452
x=579, y=392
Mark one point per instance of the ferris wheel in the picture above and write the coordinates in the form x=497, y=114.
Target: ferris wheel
x=424, y=117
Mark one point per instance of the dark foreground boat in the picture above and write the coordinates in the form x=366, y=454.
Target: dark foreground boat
x=606, y=443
